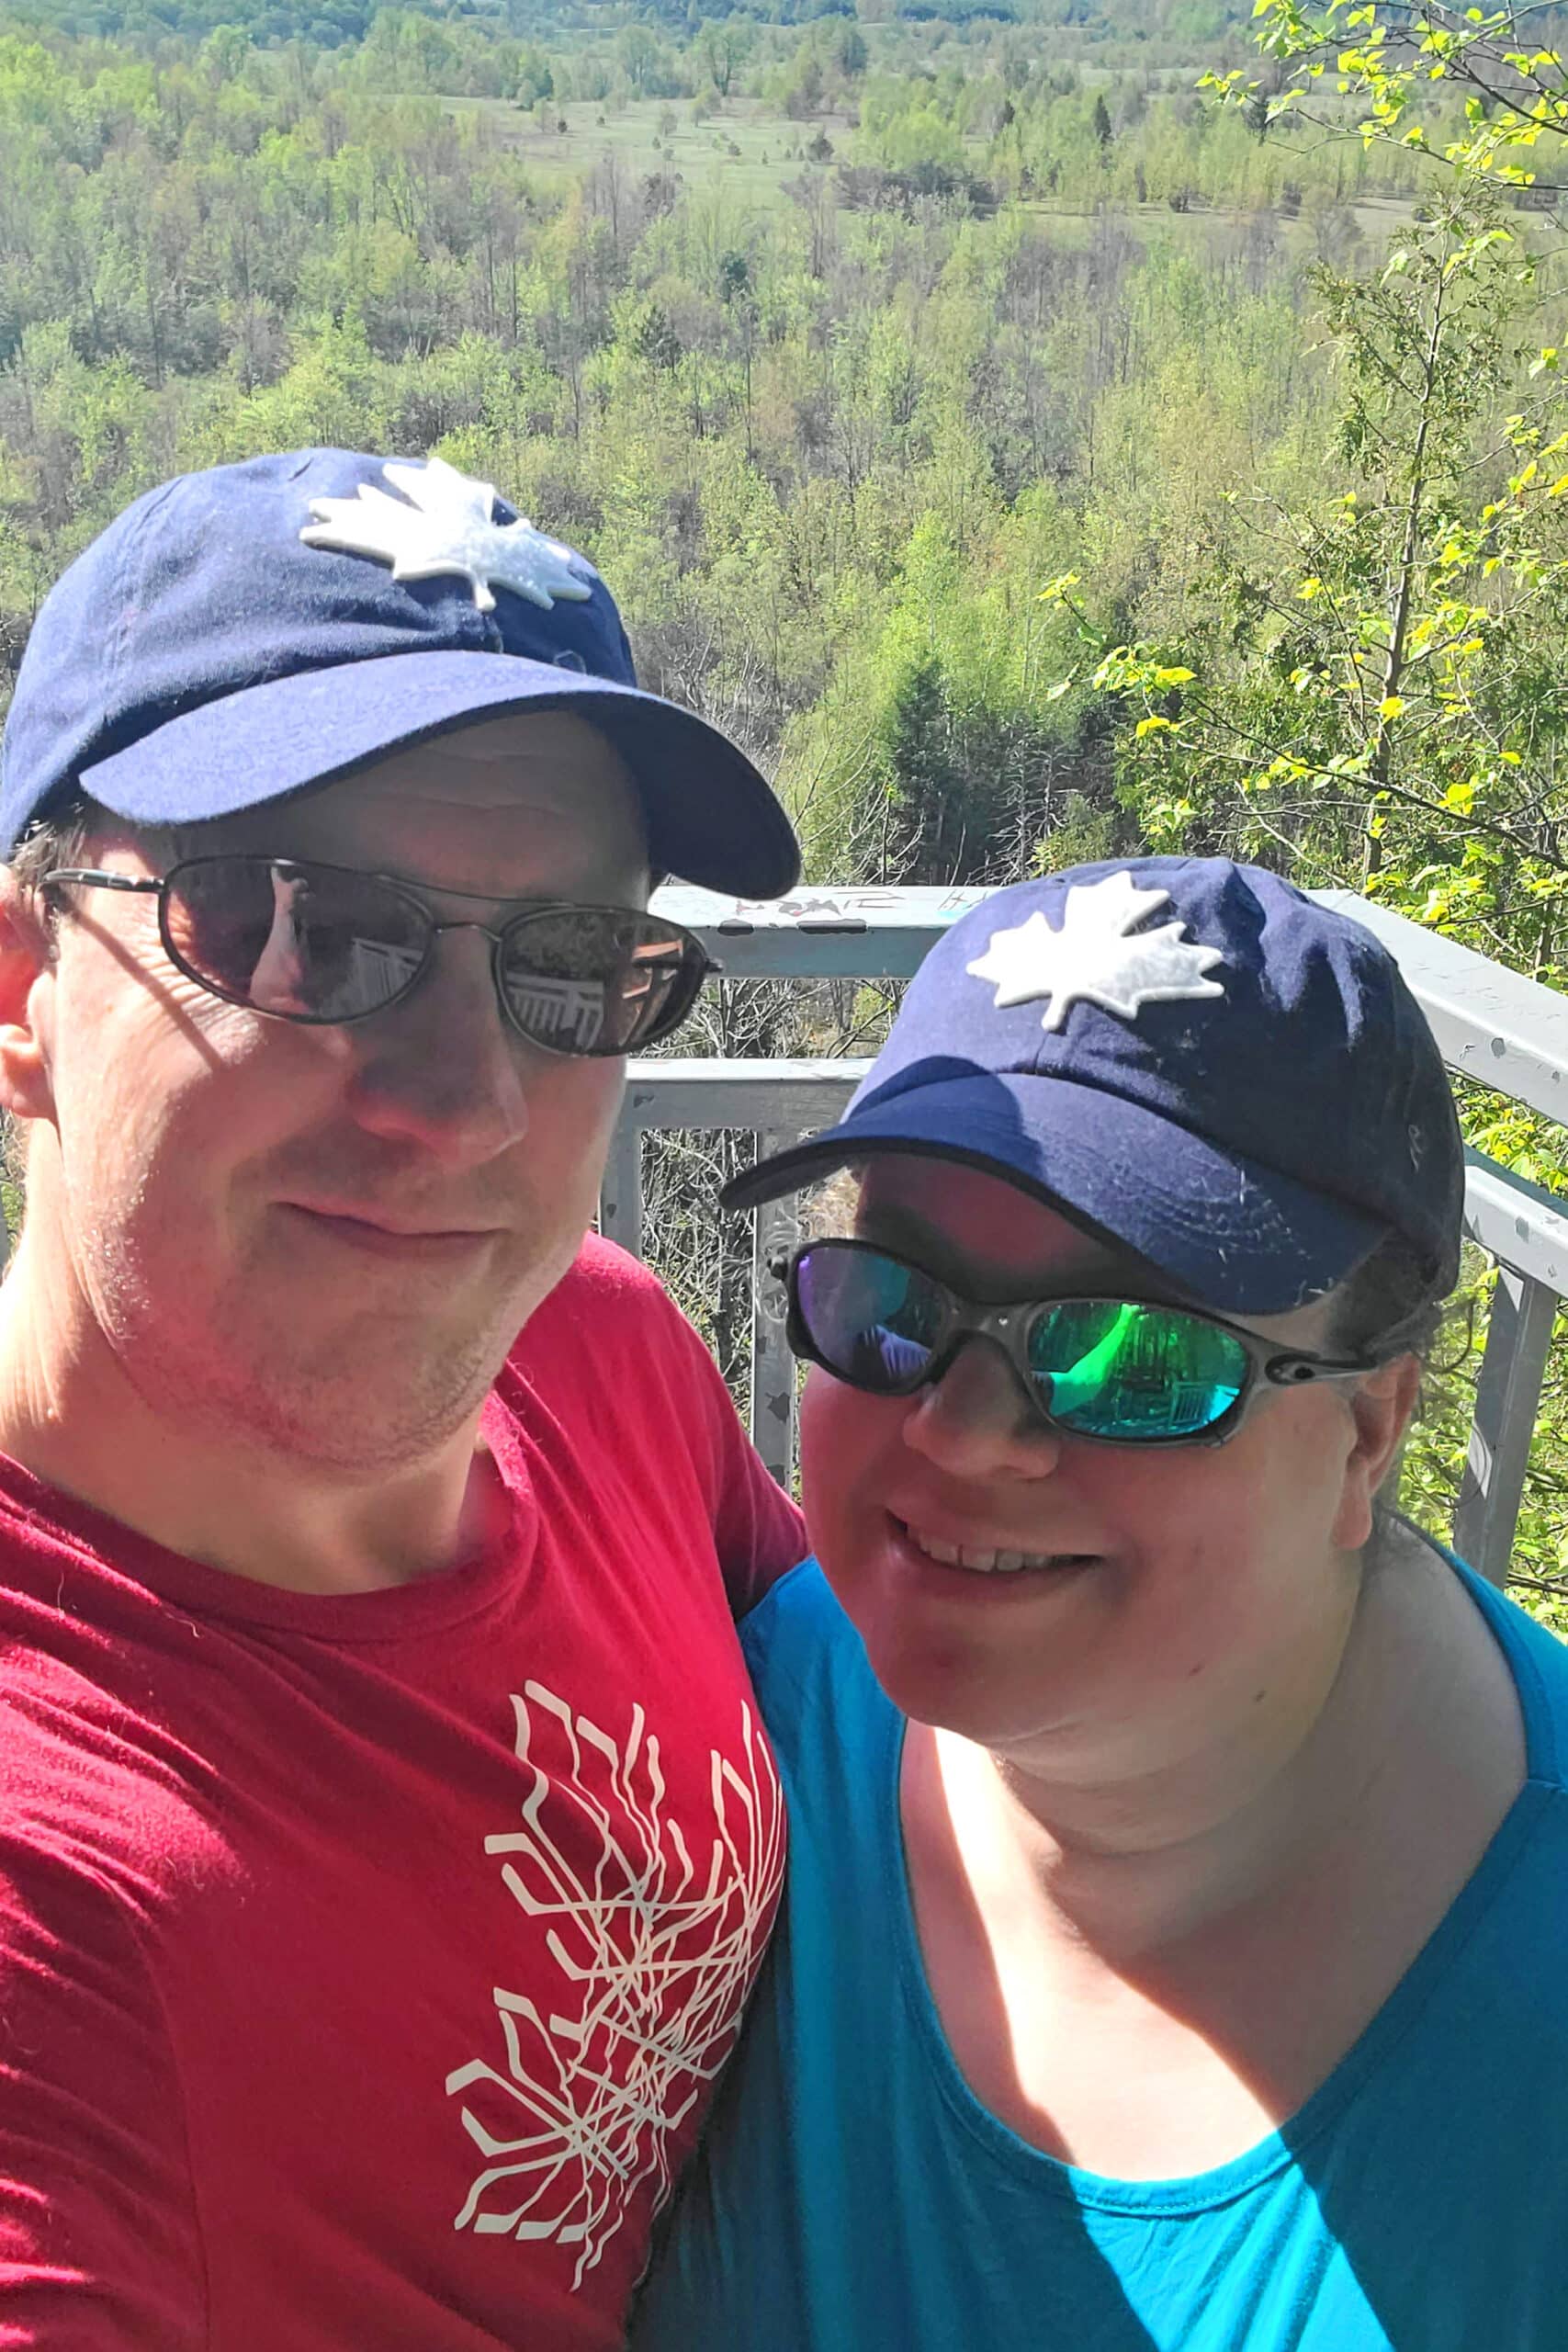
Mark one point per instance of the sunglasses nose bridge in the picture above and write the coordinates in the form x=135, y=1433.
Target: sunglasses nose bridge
x=495, y=942
x=427, y=970
x=439, y=930
x=975, y=1413
x=1006, y=1329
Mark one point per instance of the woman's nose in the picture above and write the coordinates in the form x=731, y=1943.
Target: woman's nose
x=977, y=1421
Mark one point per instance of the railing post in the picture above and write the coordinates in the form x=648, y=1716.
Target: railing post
x=620, y=1191
x=1518, y=1336
x=773, y=1366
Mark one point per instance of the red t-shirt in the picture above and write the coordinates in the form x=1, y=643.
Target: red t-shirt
x=365, y=1961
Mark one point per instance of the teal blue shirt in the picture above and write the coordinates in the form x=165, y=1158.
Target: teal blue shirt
x=854, y=2196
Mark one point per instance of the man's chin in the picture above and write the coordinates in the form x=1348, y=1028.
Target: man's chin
x=374, y=1405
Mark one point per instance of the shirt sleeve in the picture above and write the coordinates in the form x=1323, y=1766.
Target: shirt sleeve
x=758, y=1533
x=613, y=1307
x=100, y=2250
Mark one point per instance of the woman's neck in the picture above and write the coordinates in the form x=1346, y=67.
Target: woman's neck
x=1167, y=1837
x=1152, y=2005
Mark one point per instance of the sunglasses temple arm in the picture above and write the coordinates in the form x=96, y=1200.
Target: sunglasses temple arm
x=96, y=878
x=1298, y=1371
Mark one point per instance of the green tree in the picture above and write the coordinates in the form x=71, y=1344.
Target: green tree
x=1367, y=678
x=723, y=44
x=642, y=58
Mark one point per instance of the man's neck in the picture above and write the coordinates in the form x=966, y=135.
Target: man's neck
x=69, y=1415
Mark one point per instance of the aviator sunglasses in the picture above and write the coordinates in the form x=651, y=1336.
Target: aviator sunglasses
x=1120, y=1371
x=312, y=942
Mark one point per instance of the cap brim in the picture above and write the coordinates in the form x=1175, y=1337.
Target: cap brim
x=1236, y=1235
x=711, y=818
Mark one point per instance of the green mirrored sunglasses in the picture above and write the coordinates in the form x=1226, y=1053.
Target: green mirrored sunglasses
x=1120, y=1371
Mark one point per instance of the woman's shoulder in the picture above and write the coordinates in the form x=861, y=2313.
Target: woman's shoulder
x=819, y=1698
x=799, y=1631
x=1537, y=1660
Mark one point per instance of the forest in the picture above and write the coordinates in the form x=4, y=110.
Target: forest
x=1039, y=430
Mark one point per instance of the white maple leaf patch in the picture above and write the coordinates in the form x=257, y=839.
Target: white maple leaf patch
x=1098, y=956
x=445, y=522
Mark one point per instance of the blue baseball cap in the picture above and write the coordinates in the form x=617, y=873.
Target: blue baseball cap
x=1189, y=1056
x=241, y=634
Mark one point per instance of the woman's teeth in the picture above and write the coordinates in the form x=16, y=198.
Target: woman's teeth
x=985, y=1562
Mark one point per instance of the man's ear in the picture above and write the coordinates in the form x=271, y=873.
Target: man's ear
x=25, y=1085
x=1381, y=1407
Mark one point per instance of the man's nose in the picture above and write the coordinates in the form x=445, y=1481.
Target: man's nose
x=443, y=1068
x=978, y=1421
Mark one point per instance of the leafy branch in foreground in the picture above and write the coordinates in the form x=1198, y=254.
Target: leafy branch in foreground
x=1507, y=93
x=1371, y=683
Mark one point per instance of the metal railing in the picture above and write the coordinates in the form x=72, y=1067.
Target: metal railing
x=1509, y=1032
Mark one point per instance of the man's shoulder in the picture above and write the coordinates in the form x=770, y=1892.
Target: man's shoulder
x=611, y=1330
x=606, y=1281
x=605, y=1265
x=99, y=1830
x=96, y=1774
x=609, y=1360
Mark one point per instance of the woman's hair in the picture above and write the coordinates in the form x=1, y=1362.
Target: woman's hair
x=832, y=1207
x=1387, y=1306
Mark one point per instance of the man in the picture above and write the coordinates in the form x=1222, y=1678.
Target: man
x=386, y=1840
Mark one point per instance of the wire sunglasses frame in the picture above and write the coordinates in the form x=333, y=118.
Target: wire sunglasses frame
x=696, y=965
x=1010, y=1327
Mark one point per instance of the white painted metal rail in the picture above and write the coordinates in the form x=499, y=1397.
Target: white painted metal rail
x=1507, y=1032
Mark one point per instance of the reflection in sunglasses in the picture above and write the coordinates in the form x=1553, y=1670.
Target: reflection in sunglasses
x=310, y=941
x=569, y=1014
x=380, y=970
x=279, y=983
x=1081, y=1384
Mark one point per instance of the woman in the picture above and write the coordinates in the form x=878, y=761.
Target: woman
x=1173, y=1948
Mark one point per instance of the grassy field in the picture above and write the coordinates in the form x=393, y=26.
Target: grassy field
x=755, y=152
x=756, y=155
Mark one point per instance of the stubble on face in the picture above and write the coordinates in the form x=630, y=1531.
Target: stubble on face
x=197, y=1188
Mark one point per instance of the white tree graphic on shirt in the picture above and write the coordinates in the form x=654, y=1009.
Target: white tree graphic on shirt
x=655, y=1949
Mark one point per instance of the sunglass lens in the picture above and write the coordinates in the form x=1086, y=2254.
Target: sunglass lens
x=308, y=942
x=1141, y=1374
x=870, y=1318
x=598, y=980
